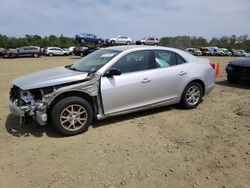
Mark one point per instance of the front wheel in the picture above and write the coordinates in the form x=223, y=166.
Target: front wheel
x=192, y=95
x=72, y=115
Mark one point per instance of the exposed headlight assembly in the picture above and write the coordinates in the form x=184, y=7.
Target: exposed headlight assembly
x=27, y=97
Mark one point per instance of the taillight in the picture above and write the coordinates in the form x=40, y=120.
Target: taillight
x=212, y=64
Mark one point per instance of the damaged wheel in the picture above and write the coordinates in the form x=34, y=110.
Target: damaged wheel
x=72, y=115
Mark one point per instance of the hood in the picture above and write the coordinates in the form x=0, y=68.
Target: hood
x=48, y=78
x=242, y=62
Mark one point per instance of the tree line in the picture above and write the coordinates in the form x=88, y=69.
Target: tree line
x=232, y=42
x=36, y=40
x=182, y=42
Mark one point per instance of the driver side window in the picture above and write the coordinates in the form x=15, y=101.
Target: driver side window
x=134, y=61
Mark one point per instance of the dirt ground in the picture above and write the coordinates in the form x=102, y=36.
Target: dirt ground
x=166, y=147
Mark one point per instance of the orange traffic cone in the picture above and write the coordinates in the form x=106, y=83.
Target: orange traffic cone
x=218, y=70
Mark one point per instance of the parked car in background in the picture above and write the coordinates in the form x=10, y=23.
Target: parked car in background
x=83, y=51
x=205, y=51
x=109, y=82
x=71, y=50
x=212, y=51
x=238, y=70
x=55, y=51
x=215, y=51
x=226, y=52
x=88, y=37
x=2, y=52
x=235, y=53
x=243, y=53
x=194, y=51
x=150, y=41
x=120, y=40
x=219, y=52
x=25, y=51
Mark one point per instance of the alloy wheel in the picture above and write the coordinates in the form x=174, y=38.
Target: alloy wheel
x=193, y=95
x=73, y=117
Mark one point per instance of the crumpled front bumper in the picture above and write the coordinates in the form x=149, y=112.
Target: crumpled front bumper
x=15, y=109
x=38, y=115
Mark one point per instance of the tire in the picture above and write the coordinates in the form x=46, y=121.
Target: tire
x=35, y=55
x=51, y=54
x=231, y=80
x=128, y=43
x=196, y=91
x=13, y=55
x=81, y=54
x=112, y=42
x=67, y=120
x=143, y=43
x=99, y=41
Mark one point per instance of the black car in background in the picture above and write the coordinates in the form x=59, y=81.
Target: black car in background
x=26, y=51
x=83, y=51
x=238, y=70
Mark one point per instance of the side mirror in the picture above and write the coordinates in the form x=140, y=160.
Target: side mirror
x=112, y=72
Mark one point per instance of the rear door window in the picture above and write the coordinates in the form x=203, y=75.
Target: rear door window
x=164, y=58
x=135, y=61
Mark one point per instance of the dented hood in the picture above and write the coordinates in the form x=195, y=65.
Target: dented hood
x=50, y=77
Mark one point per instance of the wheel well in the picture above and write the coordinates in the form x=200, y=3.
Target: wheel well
x=70, y=94
x=201, y=83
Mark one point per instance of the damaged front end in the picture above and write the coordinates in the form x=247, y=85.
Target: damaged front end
x=36, y=102
x=29, y=103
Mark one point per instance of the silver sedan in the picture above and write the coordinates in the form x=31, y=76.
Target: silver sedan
x=109, y=82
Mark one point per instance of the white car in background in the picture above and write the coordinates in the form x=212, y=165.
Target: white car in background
x=55, y=51
x=120, y=40
x=226, y=52
x=150, y=41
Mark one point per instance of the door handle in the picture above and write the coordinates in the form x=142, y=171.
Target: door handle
x=145, y=80
x=182, y=73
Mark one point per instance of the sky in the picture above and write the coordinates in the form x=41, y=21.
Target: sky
x=133, y=18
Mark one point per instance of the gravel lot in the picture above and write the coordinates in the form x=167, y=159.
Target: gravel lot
x=165, y=147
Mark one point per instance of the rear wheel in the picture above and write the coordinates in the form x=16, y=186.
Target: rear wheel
x=72, y=115
x=35, y=55
x=128, y=43
x=112, y=42
x=192, y=95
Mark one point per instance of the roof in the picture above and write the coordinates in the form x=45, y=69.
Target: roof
x=187, y=56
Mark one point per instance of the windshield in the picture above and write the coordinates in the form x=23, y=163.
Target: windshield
x=94, y=61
